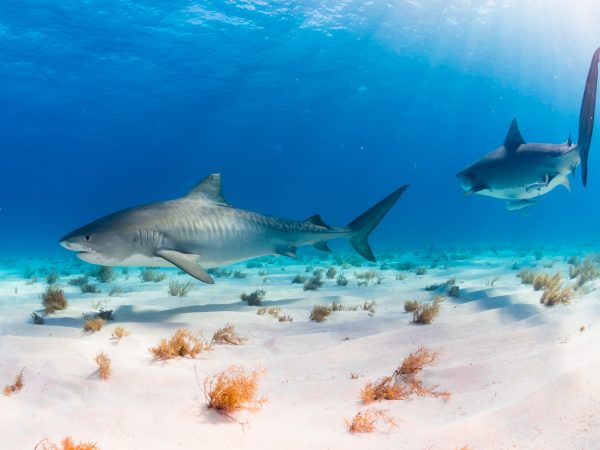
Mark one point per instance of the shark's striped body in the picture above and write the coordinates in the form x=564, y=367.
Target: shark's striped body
x=202, y=230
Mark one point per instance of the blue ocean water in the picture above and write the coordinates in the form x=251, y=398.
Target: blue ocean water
x=304, y=107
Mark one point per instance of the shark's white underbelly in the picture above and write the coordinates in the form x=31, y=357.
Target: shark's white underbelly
x=526, y=192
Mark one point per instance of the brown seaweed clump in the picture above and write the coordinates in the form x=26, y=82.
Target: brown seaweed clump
x=182, y=344
x=365, y=421
x=227, y=335
x=404, y=382
x=10, y=389
x=53, y=299
x=233, y=390
x=66, y=444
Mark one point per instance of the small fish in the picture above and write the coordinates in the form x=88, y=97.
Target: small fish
x=537, y=185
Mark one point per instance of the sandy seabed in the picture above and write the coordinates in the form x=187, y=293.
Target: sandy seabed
x=521, y=375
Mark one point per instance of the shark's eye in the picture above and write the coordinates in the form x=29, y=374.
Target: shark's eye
x=87, y=238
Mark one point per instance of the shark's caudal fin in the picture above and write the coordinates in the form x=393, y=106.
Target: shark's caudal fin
x=586, y=116
x=362, y=226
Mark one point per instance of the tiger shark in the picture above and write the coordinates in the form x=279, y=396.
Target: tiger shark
x=519, y=172
x=201, y=230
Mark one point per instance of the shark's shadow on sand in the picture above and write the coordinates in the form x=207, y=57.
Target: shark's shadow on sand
x=128, y=313
x=484, y=298
x=504, y=303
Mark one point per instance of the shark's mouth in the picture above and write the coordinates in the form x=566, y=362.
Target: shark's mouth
x=88, y=256
x=93, y=257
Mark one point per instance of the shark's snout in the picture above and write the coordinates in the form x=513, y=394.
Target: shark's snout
x=465, y=179
x=67, y=242
x=74, y=242
x=73, y=247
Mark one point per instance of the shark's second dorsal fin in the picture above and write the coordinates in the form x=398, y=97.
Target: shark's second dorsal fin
x=210, y=189
x=513, y=137
x=316, y=220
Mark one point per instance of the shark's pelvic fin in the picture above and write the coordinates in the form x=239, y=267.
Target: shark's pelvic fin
x=290, y=252
x=513, y=137
x=316, y=220
x=566, y=183
x=362, y=226
x=322, y=245
x=187, y=263
x=209, y=189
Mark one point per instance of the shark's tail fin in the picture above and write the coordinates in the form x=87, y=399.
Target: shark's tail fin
x=362, y=226
x=586, y=116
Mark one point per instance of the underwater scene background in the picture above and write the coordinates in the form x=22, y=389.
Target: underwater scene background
x=475, y=328
x=304, y=107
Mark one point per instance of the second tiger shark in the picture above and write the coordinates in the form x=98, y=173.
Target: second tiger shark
x=519, y=172
x=201, y=230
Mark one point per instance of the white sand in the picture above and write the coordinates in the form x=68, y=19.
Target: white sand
x=521, y=375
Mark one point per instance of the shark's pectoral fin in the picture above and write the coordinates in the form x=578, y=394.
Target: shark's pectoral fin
x=322, y=245
x=287, y=251
x=187, y=263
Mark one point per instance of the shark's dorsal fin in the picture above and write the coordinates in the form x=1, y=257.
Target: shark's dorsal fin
x=513, y=137
x=210, y=189
x=569, y=141
x=316, y=220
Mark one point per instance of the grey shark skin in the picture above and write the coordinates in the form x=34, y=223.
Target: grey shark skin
x=519, y=172
x=202, y=230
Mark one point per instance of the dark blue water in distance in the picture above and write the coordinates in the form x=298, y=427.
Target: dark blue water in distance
x=304, y=107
